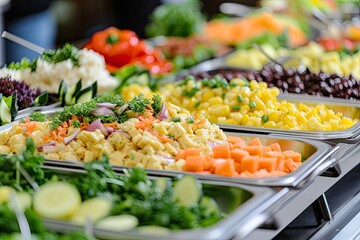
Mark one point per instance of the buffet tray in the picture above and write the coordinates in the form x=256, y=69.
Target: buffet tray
x=316, y=153
x=250, y=210
x=346, y=107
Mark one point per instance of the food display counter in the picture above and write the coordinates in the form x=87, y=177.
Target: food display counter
x=214, y=136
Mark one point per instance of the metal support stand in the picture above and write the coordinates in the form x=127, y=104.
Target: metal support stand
x=321, y=209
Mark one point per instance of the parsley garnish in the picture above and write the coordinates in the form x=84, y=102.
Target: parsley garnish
x=190, y=119
x=197, y=104
x=75, y=124
x=156, y=103
x=176, y=119
x=38, y=116
x=138, y=104
x=68, y=51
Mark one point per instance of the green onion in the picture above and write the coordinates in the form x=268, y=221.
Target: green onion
x=235, y=107
x=239, y=98
x=252, y=104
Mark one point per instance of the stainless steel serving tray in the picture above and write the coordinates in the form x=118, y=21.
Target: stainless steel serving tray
x=316, y=153
x=348, y=108
x=250, y=209
x=317, y=156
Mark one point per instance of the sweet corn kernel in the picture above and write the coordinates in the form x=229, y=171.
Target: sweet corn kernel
x=215, y=101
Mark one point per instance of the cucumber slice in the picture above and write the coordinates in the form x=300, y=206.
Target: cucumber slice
x=187, y=191
x=4, y=193
x=210, y=205
x=57, y=200
x=143, y=78
x=162, y=184
x=24, y=199
x=118, y=223
x=94, y=208
x=87, y=94
x=5, y=113
x=153, y=229
x=70, y=95
x=62, y=92
x=41, y=99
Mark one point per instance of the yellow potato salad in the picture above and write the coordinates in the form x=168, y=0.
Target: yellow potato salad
x=141, y=141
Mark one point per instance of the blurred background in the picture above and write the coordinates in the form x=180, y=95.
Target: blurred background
x=53, y=23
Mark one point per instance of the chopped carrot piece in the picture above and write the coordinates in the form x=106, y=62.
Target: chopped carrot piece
x=289, y=165
x=215, y=163
x=296, y=156
x=250, y=163
x=192, y=151
x=234, y=140
x=221, y=151
x=238, y=167
x=227, y=168
x=203, y=172
x=194, y=164
x=281, y=166
x=208, y=162
x=280, y=157
x=254, y=150
x=140, y=125
x=266, y=149
x=267, y=163
x=238, y=154
x=255, y=142
x=180, y=154
x=262, y=173
x=275, y=147
x=238, y=145
x=165, y=139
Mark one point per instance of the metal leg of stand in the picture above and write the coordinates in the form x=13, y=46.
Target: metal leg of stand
x=321, y=209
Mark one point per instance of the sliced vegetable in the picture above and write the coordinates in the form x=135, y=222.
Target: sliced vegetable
x=118, y=223
x=93, y=209
x=57, y=200
x=187, y=191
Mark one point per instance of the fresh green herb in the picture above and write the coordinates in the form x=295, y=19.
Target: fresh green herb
x=68, y=51
x=75, y=124
x=252, y=104
x=176, y=119
x=265, y=118
x=190, y=119
x=10, y=175
x=239, y=98
x=23, y=64
x=197, y=104
x=138, y=104
x=156, y=104
x=190, y=93
x=112, y=39
x=38, y=117
x=223, y=95
x=235, y=107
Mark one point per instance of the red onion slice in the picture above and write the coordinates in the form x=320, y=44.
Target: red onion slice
x=97, y=125
x=163, y=114
x=51, y=143
x=68, y=139
x=49, y=149
x=212, y=144
x=120, y=110
x=106, y=105
x=109, y=130
x=103, y=111
x=165, y=160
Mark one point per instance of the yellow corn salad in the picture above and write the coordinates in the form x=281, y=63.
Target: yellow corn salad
x=251, y=104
